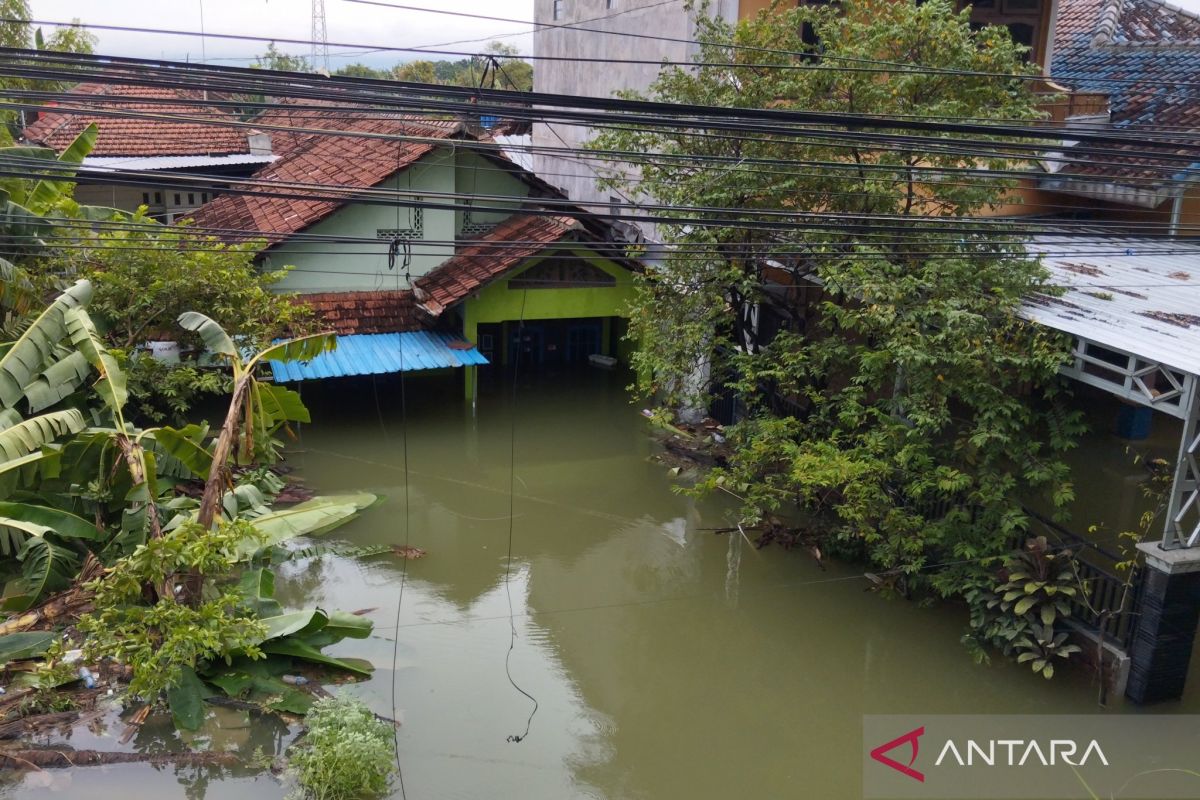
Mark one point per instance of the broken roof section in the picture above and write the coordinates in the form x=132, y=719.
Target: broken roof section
x=1139, y=296
x=209, y=131
x=1145, y=55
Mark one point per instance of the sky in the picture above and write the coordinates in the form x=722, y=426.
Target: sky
x=347, y=22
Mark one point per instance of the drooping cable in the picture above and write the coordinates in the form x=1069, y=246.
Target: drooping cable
x=512, y=494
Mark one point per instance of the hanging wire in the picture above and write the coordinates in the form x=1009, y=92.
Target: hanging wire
x=512, y=494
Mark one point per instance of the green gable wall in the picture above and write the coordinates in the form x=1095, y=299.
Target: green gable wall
x=363, y=265
x=498, y=303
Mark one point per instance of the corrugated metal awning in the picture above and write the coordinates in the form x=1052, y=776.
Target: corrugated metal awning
x=1141, y=296
x=379, y=353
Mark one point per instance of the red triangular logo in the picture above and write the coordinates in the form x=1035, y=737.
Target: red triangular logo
x=911, y=738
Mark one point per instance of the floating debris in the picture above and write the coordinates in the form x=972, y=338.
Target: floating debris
x=408, y=551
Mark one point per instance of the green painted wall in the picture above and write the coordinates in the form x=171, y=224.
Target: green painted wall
x=364, y=266
x=498, y=303
x=478, y=176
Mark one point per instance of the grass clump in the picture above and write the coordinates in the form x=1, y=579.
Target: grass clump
x=348, y=754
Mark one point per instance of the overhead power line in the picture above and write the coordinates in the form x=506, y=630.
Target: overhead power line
x=878, y=66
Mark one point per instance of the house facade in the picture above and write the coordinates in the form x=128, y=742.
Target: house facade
x=420, y=227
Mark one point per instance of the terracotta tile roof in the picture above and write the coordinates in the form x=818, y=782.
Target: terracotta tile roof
x=352, y=162
x=1152, y=50
x=120, y=136
x=345, y=313
x=490, y=258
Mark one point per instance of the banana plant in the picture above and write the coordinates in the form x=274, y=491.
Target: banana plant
x=255, y=409
x=30, y=209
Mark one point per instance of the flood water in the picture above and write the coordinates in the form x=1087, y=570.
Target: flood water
x=666, y=661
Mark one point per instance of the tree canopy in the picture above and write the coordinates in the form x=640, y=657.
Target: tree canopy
x=921, y=409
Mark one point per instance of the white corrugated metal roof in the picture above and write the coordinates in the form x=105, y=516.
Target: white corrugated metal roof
x=517, y=149
x=1137, y=295
x=174, y=162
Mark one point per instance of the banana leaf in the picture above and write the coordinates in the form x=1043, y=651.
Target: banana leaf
x=38, y=520
x=58, y=381
x=186, y=700
x=184, y=445
x=30, y=435
x=45, y=568
x=305, y=652
x=29, y=644
x=293, y=623
x=112, y=385
x=33, y=350
x=309, y=518
x=211, y=333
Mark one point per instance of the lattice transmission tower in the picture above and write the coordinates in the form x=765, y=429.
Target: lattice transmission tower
x=319, y=57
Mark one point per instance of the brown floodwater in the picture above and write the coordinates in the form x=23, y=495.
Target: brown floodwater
x=666, y=661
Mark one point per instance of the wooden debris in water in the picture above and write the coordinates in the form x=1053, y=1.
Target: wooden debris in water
x=408, y=551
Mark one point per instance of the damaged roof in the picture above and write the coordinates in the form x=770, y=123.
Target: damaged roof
x=1145, y=55
x=1137, y=295
x=208, y=132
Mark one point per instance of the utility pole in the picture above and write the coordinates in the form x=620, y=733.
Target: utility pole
x=319, y=57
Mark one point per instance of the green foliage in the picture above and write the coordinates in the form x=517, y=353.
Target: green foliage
x=163, y=392
x=347, y=754
x=927, y=410
x=19, y=33
x=144, y=277
x=159, y=641
x=276, y=59
x=515, y=74
x=1022, y=613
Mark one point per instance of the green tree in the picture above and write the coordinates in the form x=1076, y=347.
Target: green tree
x=144, y=276
x=19, y=33
x=276, y=59
x=416, y=72
x=924, y=408
x=362, y=71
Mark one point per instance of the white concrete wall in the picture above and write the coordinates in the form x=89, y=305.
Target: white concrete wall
x=574, y=176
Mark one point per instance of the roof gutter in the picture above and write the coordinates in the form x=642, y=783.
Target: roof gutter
x=1108, y=192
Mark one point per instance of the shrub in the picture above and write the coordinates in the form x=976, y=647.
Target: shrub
x=348, y=753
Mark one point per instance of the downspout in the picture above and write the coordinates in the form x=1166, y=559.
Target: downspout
x=1176, y=213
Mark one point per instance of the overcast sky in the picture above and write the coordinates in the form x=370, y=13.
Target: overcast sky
x=348, y=23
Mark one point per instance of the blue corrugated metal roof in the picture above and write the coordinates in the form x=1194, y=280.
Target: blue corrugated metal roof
x=377, y=353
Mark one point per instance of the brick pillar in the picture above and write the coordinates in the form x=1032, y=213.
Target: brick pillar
x=1168, y=614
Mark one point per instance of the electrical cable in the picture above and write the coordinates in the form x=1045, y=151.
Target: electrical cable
x=512, y=494
x=569, y=105
x=879, y=66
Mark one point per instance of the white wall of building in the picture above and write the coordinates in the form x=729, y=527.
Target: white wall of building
x=576, y=176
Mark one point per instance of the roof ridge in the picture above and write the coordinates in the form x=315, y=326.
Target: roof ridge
x=1106, y=25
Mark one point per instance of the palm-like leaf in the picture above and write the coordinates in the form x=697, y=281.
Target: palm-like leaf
x=211, y=333
x=30, y=354
x=16, y=291
x=303, y=348
x=58, y=381
x=45, y=568
x=280, y=404
x=26, y=437
x=40, y=520
x=48, y=191
x=184, y=445
x=111, y=385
